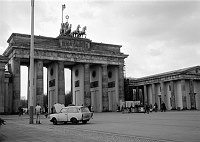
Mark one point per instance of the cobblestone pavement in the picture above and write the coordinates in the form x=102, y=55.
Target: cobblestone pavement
x=182, y=126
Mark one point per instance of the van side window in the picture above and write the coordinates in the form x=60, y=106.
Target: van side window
x=64, y=110
x=72, y=110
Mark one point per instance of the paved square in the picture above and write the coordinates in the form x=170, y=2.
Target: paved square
x=176, y=126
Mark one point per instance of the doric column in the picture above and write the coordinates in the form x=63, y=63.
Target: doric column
x=162, y=91
x=2, y=79
x=15, y=69
x=87, y=95
x=121, y=83
x=105, y=88
x=8, y=97
x=149, y=95
x=179, y=98
x=145, y=95
x=192, y=95
x=168, y=96
x=137, y=94
x=39, y=82
x=173, y=102
x=183, y=90
x=154, y=94
x=61, y=83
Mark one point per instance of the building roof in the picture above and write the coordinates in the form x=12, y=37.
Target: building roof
x=171, y=75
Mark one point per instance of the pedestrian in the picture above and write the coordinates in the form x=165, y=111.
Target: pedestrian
x=89, y=107
x=20, y=109
x=163, y=107
x=38, y=111
x=46, y=111
x=146, y=107
x=150, y=108
x=52, y=109
x=155, y=107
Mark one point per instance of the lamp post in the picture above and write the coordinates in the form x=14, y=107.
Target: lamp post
x=31, y=70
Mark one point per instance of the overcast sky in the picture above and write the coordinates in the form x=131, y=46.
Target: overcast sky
x=159, y=36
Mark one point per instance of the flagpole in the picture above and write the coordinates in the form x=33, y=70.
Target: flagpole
x=31, y=70
x=62, y=14
x=63, y=7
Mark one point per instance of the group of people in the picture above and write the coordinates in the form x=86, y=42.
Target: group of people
x=149, y=108
x=38, y=110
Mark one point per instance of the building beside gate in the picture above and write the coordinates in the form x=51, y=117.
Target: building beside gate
x=179, y=89
x=97, y=75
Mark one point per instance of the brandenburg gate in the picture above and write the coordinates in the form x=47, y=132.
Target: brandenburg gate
x=97, y=76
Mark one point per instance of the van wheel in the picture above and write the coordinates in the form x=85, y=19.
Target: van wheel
x=54, y=121
x=74, y=121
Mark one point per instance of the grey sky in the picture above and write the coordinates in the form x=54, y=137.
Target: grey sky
x=159, y=36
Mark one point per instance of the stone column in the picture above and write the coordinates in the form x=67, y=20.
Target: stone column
x=2, y=86
x=137, y=94
x=121, y=82
x=168, y=96
x=87, y=94
x=15, y=69
x=183, y=90
x=162, y=91
x=149, y=95
x=145, y=95
x=179, y=98
x=173, y=102
x=39, y=82
x=61, y=83
x=7, y=98
x=154, y=93
x=192, y=95
x=105, y=102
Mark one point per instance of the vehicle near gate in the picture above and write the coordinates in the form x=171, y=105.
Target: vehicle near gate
x=73, y=114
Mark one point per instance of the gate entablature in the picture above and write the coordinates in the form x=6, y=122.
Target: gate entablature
x=62, y=48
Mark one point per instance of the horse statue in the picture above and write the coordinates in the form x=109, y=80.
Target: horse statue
x=66, y=25
x=67, y=30
x=62, y=29
x=81, y=33
x=75, y=32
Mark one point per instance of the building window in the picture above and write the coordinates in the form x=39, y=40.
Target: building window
x=169, y=87
x=51, y=71
x=94, y=74
x=110, y=74
x=76, y=72
x=77, y=83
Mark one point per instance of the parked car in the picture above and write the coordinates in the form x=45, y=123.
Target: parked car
x=74, y=114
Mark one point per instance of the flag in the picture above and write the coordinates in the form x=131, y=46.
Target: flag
x=63, y=6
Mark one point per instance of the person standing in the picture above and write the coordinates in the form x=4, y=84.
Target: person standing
x=163, y=107
x=46, y=111
x=38, y=110
x=155, y=107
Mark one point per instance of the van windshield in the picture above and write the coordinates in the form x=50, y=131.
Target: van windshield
x=84, y=109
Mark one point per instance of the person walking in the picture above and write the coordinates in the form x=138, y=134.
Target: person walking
x=38, y=111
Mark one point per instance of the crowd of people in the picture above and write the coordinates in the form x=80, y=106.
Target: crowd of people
x=146, y=108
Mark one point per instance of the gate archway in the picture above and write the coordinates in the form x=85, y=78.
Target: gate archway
x=89, y=62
